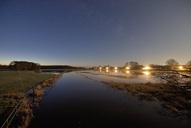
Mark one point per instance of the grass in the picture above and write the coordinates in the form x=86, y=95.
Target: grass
x=176, y=100
x=20, y=81
x=14, y=84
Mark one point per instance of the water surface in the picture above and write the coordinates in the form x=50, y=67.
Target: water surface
x=76, y=101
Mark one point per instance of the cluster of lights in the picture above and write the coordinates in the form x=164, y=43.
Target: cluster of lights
x=115, y=68
x=146, y=68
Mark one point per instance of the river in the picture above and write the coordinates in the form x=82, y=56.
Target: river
x=81, y=100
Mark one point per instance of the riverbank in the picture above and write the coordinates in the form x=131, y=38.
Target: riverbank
x=15, y=84
x=175, y=102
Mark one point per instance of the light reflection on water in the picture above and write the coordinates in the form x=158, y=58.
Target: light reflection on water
x=146, y=73
x=122, y=76
x=127, y=72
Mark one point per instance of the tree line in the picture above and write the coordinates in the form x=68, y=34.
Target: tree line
x=170, y=65
x=24, y=65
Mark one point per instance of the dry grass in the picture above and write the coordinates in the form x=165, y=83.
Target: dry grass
x=172, y=98
x=24, y=115
x=38, y=91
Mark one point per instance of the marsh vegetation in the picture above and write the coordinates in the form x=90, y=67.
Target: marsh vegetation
x=171, y=88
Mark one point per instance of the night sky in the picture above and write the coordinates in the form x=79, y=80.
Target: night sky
x=95, y=32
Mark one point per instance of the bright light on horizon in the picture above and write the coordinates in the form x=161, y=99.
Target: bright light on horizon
x=127, y=68
x=147, y=68
x=180, y=67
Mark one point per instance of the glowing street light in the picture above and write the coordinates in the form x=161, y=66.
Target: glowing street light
x=107, y=68
x=127, y=68
x=116, y=68
x=147, y=68
x=180, y=67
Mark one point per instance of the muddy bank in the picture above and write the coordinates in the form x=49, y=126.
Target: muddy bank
x=176, y=102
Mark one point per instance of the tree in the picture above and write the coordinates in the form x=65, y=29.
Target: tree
x=126, y=64
x=171, y=63
x=135, y=65
x=189, y=63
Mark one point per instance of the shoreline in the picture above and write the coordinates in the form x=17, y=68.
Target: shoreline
x=174, y=100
